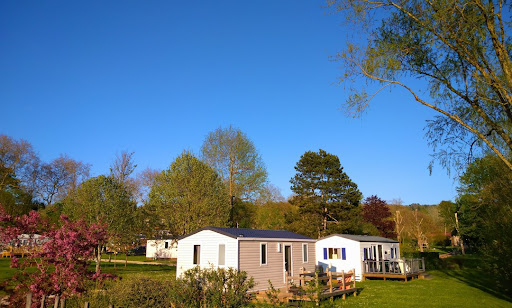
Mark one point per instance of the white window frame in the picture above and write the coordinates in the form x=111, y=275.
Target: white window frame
x=266, y=254
x=218, y=255
x=306, y=246
x=331, y=252
x=194, y=255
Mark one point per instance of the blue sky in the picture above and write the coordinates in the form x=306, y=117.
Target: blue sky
x=93, y=78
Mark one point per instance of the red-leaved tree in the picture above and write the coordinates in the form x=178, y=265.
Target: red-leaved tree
x=376, y=212
x=61, y=261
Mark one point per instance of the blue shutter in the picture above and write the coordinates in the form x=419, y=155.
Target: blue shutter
x=343, y=255
x=392, y=253
x=365, y=255
x=325, y=253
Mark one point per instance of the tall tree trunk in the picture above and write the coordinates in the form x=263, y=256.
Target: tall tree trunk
x=98, y=259
x=458, y=232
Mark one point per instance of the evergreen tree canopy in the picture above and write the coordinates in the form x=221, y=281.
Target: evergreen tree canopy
x=325, y=192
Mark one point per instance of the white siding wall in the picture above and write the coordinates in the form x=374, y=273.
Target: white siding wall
x=156, y=248
x=352, y=250
x=209, y=242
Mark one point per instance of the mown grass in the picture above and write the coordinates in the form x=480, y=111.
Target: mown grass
x=156, y=271
x=459, y=284
x=136, y=258
x=163, y=271
x=442, y=290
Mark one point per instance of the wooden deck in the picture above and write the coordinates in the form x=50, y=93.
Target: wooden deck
x=309, y=286
x=399, y=269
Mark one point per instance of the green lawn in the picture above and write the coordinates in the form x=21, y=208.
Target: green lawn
x=137, y=258
x=6, y=271
x=163, y=271
x=452, y=287
x=443, y=290
x=160, y=271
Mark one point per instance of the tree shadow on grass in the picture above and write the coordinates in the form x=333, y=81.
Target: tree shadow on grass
x=476, y=277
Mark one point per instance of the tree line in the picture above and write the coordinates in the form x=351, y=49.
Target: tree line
x=225, y=185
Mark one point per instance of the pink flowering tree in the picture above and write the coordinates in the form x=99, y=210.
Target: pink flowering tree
x=61, y=261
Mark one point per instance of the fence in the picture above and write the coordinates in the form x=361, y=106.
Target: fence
x=398, y=267
x=57, y=303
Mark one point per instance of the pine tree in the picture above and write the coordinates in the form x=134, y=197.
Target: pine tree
x=325, y=193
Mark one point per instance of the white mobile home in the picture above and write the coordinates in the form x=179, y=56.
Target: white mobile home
x=162, y=249
x=264, y=254
x=344, y=252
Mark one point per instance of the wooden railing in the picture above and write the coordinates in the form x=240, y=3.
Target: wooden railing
x=56, y=300
x=331, y=281
x=399, y=267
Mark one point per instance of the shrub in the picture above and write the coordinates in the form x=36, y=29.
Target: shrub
x=212, y=288
x=432, y=260
x=141, y=291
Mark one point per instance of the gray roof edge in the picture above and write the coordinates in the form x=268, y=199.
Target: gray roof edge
x=353, y=237
x=228, y=234
x=207, y=228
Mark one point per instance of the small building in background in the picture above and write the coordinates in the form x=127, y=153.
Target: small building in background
x=345, y=252
x=162, y=249
x=263, y=254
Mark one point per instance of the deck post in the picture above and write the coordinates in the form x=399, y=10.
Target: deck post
x=383, y=268
x=343, y=281
x=354, y=281
x=330, y=281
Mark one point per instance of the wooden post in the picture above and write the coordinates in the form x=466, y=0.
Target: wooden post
x=86, y=305
x=330, y=281
x=28, y=304
x=43, y=301
x=287, y=281
x=57, y=300
x=354, y=281
x=343, y=277
x=317, y=289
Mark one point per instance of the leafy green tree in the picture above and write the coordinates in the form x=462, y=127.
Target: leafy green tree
x=189, y=195
x=15, y=200
x=459, y=49
x=233, y=155
x=485, y=208
x=17, y=163
x=105, y=200
x=272, y=215
x=325, y=193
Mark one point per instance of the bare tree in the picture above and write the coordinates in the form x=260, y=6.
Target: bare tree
x=121, y=169
x=17, y=160
x=61, y=177
x=418, y=231
x=123, y=166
